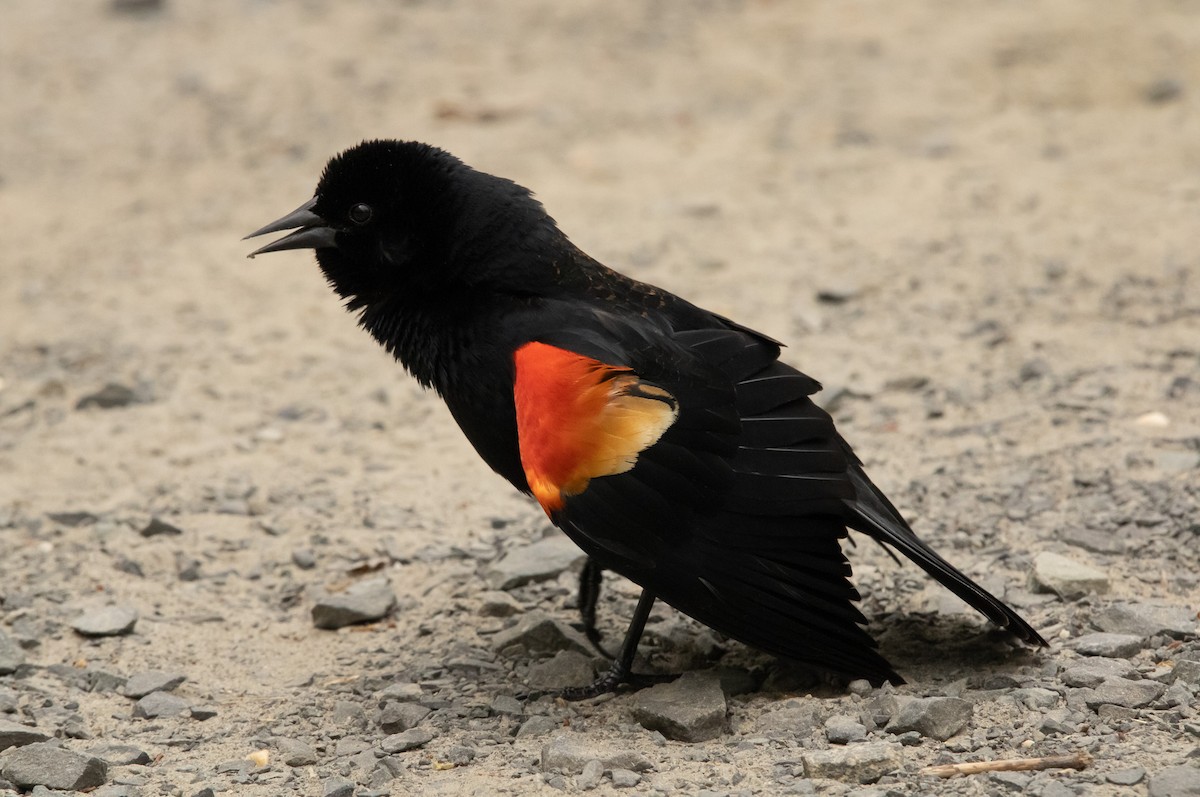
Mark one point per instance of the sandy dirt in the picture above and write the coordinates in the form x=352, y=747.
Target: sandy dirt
x=974, y=222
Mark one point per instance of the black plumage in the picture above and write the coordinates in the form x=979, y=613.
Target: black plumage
x=733, y=513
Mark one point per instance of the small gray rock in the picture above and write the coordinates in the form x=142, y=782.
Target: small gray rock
x=1092, y=672
x=1065, y=577
x=401, y=693
x=158, y=526
x=840, y=729
x=304, y=558
x=11, y=656
x=106, y=621
x=1186, y=671
x=537, y=632
x=690, y=709
x=1146, y=620
x=108, y=397
x=495, y=603
x=935, y=717
x=538, y=561
x=1183, y=781
x=296, y=753
x=14, y=734
x=799, y=718
x=625, y=778
x=337, y=787
x=568, y=753
x=460, y=755
x=860, y=686
x=160, y=704
x=399, y=717
x=506, y=704
x=1126, y=777
x=566, y=668
x=143, y=683
x=538, y=726
x=1127, y=693
x=1113, y=646
x=1035, y=697
x=362, y=602
x=409, y=740
x=120, y=755
x=855, y=763
x=1010, y=782
x=46, y=764
x=593, y=772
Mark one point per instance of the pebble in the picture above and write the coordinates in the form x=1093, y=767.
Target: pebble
x=337, y=787
x=106, y=621
x=11, y=656
x=691, y=708
x=1035, y=697
x=409, y=740
x=794, y=718
x=506, y=704
x=108, y=397
x=1186, y=671
x=1015, y=782
x=935, y=717
x=160, y=704
x=304, y=558
x=158, y=527
x=593, y=772
x=1126, y=777
x=855, y=763
x=143, y=683
x=625, y=778
x=1113, y=646
x=1065, y=577
x=13, y=734
x=399, y=717
x=568, y=752
x=1181, y=781
x=538, y=561
x=1127, y=693
x=296, y=753
x=46, y=764
x=362, y=602
x=120, y=755
x=1146, y=620
x=495, y=603
x=538, y=632
x=1092, y=672
x=840, y=729
x=538, y=726
x=861, y=687
x=566, y=668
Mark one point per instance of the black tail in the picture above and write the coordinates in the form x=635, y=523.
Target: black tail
x=875, y=516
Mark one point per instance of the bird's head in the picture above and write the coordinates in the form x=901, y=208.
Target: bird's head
x=401, y=217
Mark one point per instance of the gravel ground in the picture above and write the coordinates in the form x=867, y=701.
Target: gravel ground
x=241, y=553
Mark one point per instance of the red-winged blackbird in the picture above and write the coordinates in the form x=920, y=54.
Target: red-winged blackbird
x=668, y=442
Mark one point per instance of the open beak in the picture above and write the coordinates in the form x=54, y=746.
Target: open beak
x=313, y=233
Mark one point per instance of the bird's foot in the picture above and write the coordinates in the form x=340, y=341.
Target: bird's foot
x=616, y=679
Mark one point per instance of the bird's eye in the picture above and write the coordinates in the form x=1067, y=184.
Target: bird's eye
x=360, y=214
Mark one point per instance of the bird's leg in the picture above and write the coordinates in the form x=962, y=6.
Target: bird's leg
x=590, y=579
x=621, y=671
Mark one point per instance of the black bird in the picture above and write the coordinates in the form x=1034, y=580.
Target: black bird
x=670, y=443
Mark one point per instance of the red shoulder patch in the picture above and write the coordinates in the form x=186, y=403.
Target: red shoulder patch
x=579, y=418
